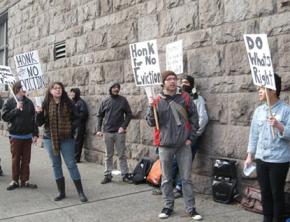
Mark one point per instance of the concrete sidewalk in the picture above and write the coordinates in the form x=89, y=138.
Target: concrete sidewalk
x=112, y=202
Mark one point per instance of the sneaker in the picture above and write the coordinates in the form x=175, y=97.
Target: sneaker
x=165, y=213
x=28, y=185
x=177, y=193
x=127, y=178
x=13, y=185
x=194, y=215
x=107, y=179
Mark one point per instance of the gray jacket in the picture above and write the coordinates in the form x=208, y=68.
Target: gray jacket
x=174, y=128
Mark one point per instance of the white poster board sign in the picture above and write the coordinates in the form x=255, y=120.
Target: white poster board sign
x=145, y=63
x=260, y=60
x=29, y=71
x=6, y=76
x=174, y=57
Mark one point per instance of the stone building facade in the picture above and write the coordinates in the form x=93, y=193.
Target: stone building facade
x=96, y=35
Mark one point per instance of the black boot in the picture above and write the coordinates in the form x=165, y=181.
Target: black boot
x=79, y=186
x=61, y=189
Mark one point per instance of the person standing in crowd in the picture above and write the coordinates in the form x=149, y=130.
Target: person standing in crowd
x=178, y=126
x=81, y=128
x=271, y=153
x=188, y=85
x=116, y=114
x=23, y=131
x=59, y=116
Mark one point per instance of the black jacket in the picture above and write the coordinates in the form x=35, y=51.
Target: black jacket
x=20, y=122
x=81, y=106
x=115, y=111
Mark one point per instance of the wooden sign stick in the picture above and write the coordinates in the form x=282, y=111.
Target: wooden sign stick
x=270, y=110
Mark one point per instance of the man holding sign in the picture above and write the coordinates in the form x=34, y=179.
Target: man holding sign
x=177, y=130
x=23, y=131
x=270, y=130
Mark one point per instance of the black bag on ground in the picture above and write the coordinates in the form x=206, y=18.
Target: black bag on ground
x=224, y=185
x=141, y=170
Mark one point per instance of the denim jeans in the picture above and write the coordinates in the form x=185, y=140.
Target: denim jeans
x=194, y=147
x=184, y=160
x=67, y=151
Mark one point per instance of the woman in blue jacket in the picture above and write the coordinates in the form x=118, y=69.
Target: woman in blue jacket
x=271, y=153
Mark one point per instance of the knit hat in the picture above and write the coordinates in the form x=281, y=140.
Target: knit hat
x=190, y=79
x=16, y=87
x=165, y=74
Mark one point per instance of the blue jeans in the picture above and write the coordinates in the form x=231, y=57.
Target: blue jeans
x=68, y=152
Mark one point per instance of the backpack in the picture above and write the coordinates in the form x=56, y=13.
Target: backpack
x=154, y=176
x=141, y=170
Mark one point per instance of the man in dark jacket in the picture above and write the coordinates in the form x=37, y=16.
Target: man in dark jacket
x=23, y=131
x=116, y=114
x=81, y=126
x=178, y=125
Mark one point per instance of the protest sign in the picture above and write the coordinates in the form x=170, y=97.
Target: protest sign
x=6, y=76
x=174, y=57
x=29, y=71
x=260, y=60
x=145, y=63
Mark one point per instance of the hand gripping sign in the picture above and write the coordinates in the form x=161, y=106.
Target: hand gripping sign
x=261, y=64
x=145, y=65
x=29, y=71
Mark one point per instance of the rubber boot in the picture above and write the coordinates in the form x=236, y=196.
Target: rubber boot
x=61, y=189
x=79, y=186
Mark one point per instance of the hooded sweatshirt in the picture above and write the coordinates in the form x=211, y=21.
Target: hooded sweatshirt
x=114, y=112
x=81, y=105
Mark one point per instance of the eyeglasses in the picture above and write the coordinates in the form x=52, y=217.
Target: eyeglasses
x=171, y=79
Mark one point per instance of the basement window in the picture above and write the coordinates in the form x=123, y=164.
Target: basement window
x=59, y=50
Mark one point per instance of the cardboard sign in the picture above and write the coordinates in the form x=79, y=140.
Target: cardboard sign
x=6, y=76
x=260, y=60
x=145, y=63
x=29, y=71
x=174, y=57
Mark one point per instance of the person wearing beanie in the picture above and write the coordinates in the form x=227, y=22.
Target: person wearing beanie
x=178, y=124
x=271, y=153
x=80, y=134
x=113, y=118
x=22, y=132
x=188, y=85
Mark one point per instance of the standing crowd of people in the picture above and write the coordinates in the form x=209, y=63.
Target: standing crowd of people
x=179, y=117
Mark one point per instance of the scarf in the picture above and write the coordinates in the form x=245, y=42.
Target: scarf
x=59, y=123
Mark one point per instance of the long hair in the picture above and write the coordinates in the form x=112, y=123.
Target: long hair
x=64, y=99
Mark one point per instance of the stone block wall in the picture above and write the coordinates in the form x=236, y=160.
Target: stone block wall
x=97, y=35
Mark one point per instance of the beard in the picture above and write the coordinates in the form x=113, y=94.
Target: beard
x=186, y=88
